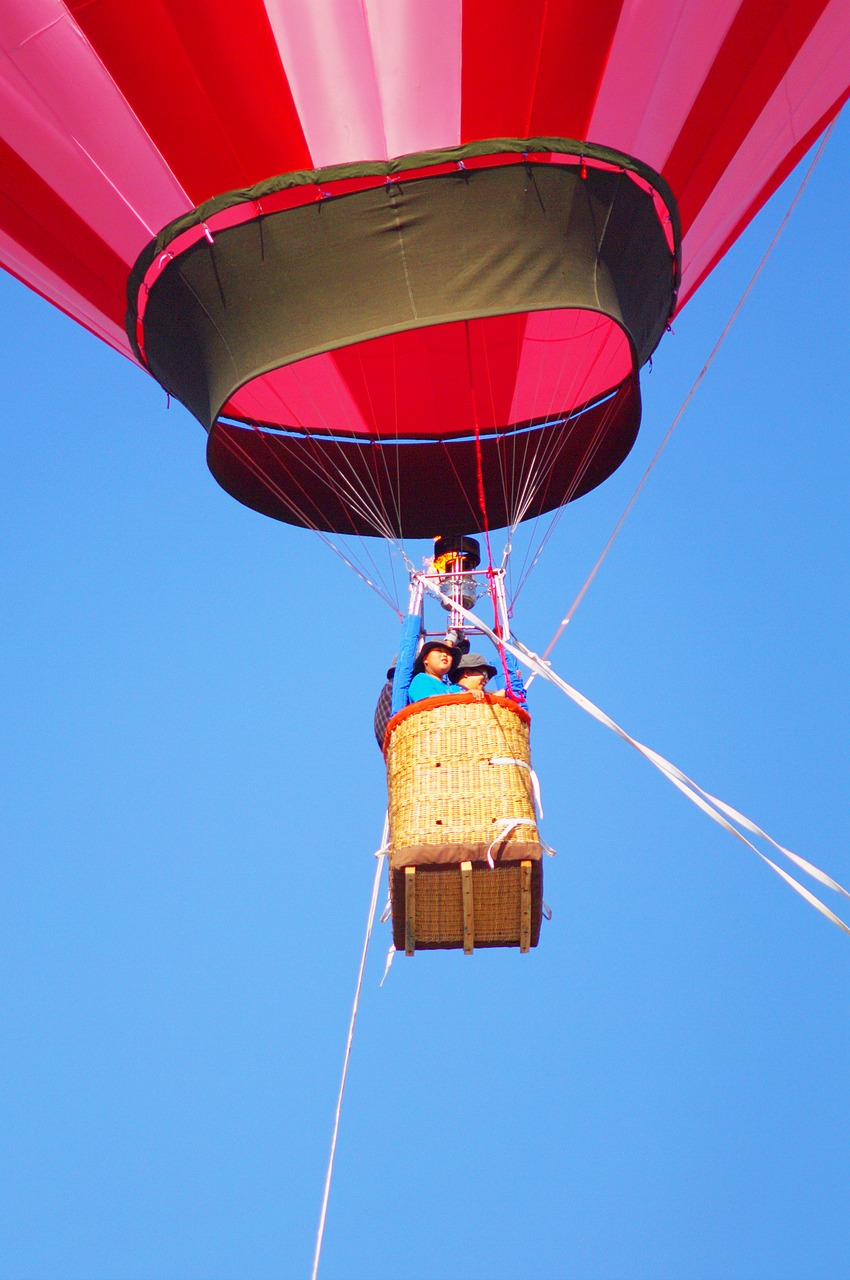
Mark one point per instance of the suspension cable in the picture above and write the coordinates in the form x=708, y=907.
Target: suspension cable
x=703, y=371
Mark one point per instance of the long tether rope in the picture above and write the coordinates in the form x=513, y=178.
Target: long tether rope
x=370, y=920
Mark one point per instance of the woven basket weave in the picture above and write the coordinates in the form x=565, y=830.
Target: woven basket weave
x=458, y=772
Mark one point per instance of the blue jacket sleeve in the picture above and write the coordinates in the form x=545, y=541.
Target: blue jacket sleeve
x=515, y=682
x=405, y=660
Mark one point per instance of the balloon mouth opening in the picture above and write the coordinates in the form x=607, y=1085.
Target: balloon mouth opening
x=495, y=374
x=396, y=489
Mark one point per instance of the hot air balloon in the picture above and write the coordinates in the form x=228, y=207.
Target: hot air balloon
x=403, y=261
x=367, y=243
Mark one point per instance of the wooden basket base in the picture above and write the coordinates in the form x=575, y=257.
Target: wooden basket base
x=468, y=905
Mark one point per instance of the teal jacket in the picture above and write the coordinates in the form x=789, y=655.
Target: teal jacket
x=425, y=686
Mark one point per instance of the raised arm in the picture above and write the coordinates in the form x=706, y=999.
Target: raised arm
x=404, y=663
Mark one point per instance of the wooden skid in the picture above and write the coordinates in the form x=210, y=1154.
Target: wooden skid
x=409, y=910
x=524, y=906
x=467, y=905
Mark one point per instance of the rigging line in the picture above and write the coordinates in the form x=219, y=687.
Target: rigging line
x=720, y=812
x=473, y=514
x=485, y=355
x=703, y=371
x=342, y=486
x=554, y=517
x=522, y=476
x=275, y=489
x=325, y=474
x=384, y=591
x=568, y=394
x=396, y=419
x=395, y=492
x=351, y=487
x=259, y=471
x=380, y=855
x=604, y=356
x=547, y=451
x=724, y=815
x=482, y=499
x=593, y=447
x=335, y=478
x=369, y=509
x=583, y=371
x=256, y=469
x=278, y=461
x=561, y=440
x=479, y=470
x=365, y=482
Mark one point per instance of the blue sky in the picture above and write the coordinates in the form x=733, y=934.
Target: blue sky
x=191, y=796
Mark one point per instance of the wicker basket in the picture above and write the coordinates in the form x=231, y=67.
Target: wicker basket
x=460, y=795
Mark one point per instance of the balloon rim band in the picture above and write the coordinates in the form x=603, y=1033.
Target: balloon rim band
x=401, y=168
x=507, y=236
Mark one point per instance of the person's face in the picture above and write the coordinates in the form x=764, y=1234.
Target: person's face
x=476, y=678
x=437, y=662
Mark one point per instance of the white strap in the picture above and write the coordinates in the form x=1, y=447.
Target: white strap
x=709, y=804
x=384, y=852
x=720, y=812
x=535, y=781
x=508, y=825
x=385, y=837
x=388, y=963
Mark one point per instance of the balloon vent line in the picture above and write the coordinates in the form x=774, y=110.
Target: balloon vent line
x=687, y=400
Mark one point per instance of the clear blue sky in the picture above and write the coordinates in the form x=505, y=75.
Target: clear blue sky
x=191, y=795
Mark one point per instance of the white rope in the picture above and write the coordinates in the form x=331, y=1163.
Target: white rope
x=380, y=855
x=388, y=963
x=508, y=825
x=535, y=781
x=687, y=400
x=720, y=812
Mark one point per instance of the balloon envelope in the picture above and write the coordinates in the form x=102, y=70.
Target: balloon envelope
x=400, y=346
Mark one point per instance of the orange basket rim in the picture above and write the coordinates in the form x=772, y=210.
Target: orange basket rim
x=450, y=699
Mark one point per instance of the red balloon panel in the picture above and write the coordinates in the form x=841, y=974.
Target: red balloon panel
x=510, y=369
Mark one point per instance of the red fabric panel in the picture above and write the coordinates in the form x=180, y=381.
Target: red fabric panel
x=205, y=79
x=499, y=55
x=523, y=367
x=43, y=224
x=533, y=69
x=568, y=357
x=576, y=43
x=762, y=197
x=437, y=362
x=760, y=46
